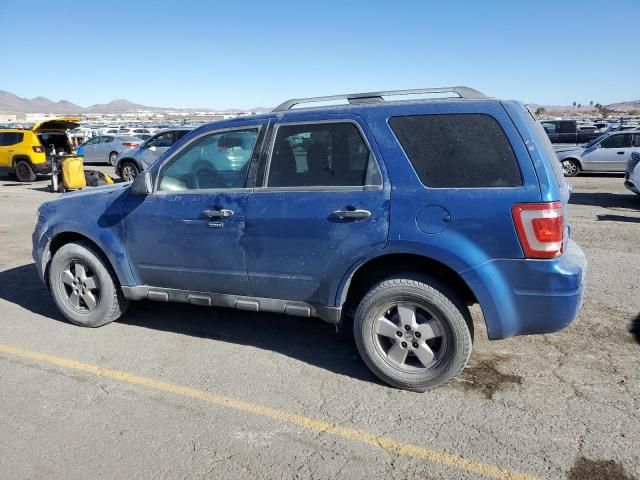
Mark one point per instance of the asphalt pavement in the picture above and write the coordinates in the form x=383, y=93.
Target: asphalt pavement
x=178, y=391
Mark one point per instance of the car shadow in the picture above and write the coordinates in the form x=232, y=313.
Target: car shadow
x=607, y=200
x=618, y=218
x=634, y=328
x=305, y=339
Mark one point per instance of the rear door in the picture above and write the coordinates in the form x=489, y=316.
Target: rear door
x=7, y=147
x=320, y=204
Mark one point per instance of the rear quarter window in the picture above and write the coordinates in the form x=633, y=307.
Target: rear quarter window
x=458, y=150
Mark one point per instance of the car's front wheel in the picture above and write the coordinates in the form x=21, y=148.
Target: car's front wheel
x=83, y=287
x=413, y=332
x=570, y=168
x=129, y=171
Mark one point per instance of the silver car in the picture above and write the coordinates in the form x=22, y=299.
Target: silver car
x=130, y=162
x=105, y=148
x=607, y=153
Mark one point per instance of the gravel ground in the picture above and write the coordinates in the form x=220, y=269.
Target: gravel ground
x=565, y=405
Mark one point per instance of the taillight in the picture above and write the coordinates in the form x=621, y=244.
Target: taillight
x=540, y=228
x=38, y=149
x=130, y=144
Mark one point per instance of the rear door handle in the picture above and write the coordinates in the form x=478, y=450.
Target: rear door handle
x=222, y=213
x=351, y=214
x=620, y=153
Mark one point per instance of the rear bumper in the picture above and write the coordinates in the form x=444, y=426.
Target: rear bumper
x=44, y=167
x=525, y=297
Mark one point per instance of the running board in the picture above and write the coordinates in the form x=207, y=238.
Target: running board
x=253, y=304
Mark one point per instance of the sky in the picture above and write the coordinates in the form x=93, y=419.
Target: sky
x=246, y=54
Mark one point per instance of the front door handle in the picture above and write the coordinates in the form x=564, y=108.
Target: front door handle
x=222, y=213
x=351, y=214
x=620, y=153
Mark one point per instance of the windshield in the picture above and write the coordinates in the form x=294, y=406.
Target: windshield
x=595, y=140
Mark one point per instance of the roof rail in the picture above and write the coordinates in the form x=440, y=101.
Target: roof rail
x=378, y=97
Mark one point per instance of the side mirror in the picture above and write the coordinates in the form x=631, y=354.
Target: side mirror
x=142, y=185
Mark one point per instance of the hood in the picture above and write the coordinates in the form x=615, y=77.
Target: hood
x=569, y=152
x=93, y=191
x=572, y=148
x=61, y=124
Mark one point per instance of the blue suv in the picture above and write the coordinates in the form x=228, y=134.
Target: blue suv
x=388, y=214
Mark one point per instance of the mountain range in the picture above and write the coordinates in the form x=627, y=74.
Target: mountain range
x=13, y=103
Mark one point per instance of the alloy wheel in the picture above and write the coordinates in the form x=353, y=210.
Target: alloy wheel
x=569, y=168
x=80, y=286
x=129, y=173
x=410, y=337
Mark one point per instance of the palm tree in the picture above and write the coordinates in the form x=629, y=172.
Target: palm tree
x=591, y=104
x=579, y=106
x=574, y=105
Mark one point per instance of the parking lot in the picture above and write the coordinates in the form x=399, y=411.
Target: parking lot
x=178, y=391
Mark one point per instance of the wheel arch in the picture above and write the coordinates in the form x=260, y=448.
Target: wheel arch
x=372, y=270
x=20, y=156
x=124, y=160
x=64, y=237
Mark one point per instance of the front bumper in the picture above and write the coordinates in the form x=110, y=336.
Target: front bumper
x=40, y=249
x=525, y=296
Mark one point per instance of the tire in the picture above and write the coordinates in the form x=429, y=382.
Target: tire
x=129, y=171
x=24, y=171
x=98, y=299
x=570, y=167
x=112, y=158
x=426, y=340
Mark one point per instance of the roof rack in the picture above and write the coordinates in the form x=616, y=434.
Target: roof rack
x=378, y=97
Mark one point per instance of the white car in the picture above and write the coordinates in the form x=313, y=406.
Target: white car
x=632, y=173
x=608, y=153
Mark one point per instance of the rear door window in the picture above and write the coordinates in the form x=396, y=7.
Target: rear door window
x=322, y=155
x=10, y=138
x=458, y=150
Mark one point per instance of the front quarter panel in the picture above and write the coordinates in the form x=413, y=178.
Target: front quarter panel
x=95, y=214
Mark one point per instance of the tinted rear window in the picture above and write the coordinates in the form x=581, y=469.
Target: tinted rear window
x=10, y=138
x=458, y=151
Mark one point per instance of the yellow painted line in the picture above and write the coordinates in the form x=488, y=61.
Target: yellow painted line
x=392, y=446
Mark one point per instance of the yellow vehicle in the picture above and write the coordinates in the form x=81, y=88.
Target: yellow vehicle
x=24, y=152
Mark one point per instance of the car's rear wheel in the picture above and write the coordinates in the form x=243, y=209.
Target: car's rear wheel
x=413, y=333
x=129, y=171
x=83, y=287
x=24, y=171
x=112, y=158
x=570, y=168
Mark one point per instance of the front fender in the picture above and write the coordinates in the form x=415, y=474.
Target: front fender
x=93, y=213
x=109, y=242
